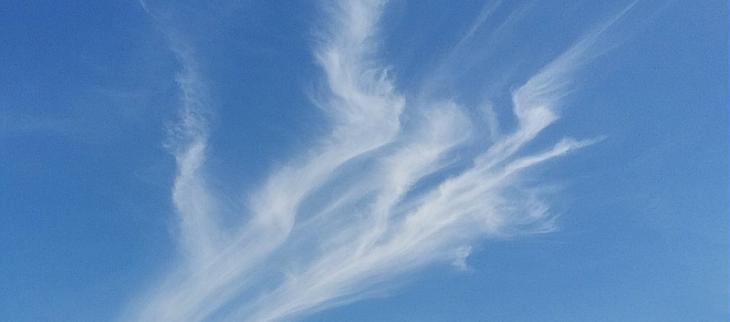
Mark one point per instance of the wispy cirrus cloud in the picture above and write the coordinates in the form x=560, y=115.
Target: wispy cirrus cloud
x=321, y=231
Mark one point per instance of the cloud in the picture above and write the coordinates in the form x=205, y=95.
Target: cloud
x=375, y=198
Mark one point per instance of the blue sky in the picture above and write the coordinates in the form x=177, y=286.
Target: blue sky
x=364, y=161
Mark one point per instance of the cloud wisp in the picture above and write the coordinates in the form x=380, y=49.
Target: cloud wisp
x=377, y=197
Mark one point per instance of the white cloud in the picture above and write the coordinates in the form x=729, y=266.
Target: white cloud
x=400, y=210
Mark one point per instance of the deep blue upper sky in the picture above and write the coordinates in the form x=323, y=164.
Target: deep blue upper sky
x=88, y=89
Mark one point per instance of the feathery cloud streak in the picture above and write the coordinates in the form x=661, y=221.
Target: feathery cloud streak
x=334, y=233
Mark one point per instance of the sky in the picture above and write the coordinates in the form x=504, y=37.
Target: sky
x=364, y=160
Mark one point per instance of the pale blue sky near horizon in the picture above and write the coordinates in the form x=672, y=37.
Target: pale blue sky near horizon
x=88, y=91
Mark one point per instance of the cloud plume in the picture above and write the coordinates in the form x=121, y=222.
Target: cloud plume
x=376, y=197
